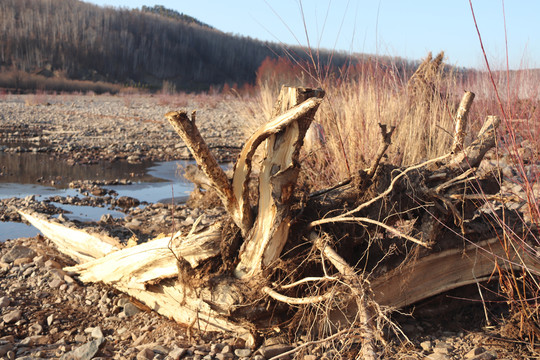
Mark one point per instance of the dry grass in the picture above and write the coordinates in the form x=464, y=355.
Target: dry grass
x=345, y=135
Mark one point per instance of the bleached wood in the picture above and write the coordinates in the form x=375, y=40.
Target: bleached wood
x=473, y=154
x=447, y=270
x=462, y=120
x=79, y=245
x=283, y=138
x=148, y=273
x=147, y=263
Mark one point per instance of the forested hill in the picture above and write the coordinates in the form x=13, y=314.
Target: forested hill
x=142, y=46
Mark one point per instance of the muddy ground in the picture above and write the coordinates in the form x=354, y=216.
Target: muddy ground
x=45, y=313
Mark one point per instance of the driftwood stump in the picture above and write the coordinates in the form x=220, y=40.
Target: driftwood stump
x=386, y=237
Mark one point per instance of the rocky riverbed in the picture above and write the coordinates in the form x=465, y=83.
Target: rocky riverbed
x=46, y=313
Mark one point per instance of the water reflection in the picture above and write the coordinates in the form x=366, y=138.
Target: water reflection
x=27, y=174
x=38, y=168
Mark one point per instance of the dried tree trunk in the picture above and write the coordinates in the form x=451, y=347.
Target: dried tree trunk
x=277, y=181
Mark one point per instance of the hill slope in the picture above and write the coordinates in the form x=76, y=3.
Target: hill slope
x=142, y=46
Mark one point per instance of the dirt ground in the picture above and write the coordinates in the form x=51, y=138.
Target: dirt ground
x=46, y=313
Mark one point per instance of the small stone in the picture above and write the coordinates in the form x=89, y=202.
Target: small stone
x=50, y=319
x=242, y=352
x=216, y=348
x=84, y=352
x=22, y=261
x=5, y=348
x=426, y=345
x=145, y=354
x=438, y=356
x=443, y=348
x=80, y=338
x=35, y=329
x=226, y=349
x=51, y=264
x=56, y=283
x=130, y=309
x=476, y=351
x=176, y=353
x=4, y=302
x=17, y=252
x=225, y=356
x=274, y=350
x=310, y=357
x=485, y=356
x=12, y=316
x=97, y=333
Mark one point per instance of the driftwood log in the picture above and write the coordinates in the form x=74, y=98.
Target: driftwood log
x=386, y=237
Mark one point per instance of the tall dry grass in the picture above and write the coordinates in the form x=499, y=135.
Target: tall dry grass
x=345, y=135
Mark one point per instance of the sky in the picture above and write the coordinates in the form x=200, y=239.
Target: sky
x=404, y=28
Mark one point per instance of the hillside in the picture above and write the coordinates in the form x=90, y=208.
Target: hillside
x=141, y=47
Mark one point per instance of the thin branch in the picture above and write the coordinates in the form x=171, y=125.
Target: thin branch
x=308, y=279
x=297, y=301
x=461, y=121
x=386, y=141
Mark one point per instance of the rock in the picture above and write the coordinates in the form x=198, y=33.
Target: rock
x=12, y=316
x=17, y=252
x=443, y=348
x=438, y=356
x=488, y=355
x=176, y=353
x=4, y=267
x=226, y=349
x=35, y=329
x=34, y=340
x=127, y=202
x=476, y=351
x=50, y=319
x=310, y=357
x=145, y=354
x=84, y=352
x=5, y=348
x=22, y=261
x=426, y=345
x=55, y=283
x=4, y=302
x=242, y=352
x=274, y=350
x=224, y=356
x=97, y=333
x=130, y=309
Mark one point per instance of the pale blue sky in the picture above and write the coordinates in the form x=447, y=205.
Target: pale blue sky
x=406, y=28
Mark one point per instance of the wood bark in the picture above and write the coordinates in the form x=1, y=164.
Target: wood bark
x=189, y=132
x=277, y=180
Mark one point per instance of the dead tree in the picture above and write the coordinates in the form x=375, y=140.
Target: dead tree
x=421, y=227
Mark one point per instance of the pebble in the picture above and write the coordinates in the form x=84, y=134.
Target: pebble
x=4, y=302
x=274, y=350
x=17, y=252
x=426, y=345
x=242, y=352
x=12, y=316
x=130, y=309
x=176, y=353
x=438, y=356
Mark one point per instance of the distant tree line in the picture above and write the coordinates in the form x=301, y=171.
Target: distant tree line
x=143, y=46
